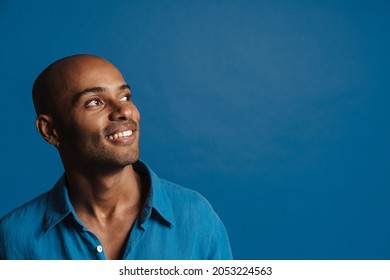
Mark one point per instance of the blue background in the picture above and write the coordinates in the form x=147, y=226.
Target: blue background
x=276, y=111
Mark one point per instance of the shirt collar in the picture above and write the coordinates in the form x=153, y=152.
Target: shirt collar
x=59, y=205
x=157, y=198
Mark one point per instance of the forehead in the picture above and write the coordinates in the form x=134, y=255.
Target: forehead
x=82, y=73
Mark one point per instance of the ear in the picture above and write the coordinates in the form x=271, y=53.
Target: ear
x=44, y=124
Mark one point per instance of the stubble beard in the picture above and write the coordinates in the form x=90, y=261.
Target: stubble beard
x=96, y=157
x=106, y=160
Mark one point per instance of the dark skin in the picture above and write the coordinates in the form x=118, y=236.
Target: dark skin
x=95, y=127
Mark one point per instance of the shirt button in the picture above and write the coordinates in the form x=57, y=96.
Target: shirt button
x=99, y=249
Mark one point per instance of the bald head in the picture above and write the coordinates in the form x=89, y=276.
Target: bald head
x=54, y=80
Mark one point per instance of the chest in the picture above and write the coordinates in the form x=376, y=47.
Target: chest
x=112, y=234
x=151, y=240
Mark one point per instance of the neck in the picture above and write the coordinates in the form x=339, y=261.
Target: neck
x=105, y=196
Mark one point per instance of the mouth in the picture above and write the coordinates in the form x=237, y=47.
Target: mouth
x=121, y=134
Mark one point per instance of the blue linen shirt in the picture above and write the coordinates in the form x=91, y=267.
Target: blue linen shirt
x=175, y=223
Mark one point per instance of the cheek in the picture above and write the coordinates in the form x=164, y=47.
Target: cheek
x=81, y=131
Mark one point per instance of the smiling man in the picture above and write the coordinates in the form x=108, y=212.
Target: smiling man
x=108, y=204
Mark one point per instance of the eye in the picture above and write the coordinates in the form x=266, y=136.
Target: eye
x=126, y=97
x=93, y=103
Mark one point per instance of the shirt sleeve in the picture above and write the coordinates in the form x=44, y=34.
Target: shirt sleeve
x=220, y=245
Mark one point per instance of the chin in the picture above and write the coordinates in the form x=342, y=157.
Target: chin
x=130, y=159
x=108, y=162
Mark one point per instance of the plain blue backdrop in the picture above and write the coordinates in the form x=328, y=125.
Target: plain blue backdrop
x=276, y=111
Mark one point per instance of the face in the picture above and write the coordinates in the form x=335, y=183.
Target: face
x=96, y=122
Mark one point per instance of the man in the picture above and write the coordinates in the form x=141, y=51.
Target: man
x=108, y=204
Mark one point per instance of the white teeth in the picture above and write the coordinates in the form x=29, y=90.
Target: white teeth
x=121, y=134
x=127, y=133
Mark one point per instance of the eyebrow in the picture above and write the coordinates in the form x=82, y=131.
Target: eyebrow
x=96, y=90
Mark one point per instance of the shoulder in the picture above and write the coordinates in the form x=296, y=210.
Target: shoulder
x=28, y=210
x=190, y=208
x=193, y=213
x=20, y=224
x=183, y=197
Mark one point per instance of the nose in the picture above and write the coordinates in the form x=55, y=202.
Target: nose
x=121, y=111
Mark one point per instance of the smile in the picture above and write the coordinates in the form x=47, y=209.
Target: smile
x=122, y=134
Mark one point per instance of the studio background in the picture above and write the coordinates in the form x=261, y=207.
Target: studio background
x=276, y=111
